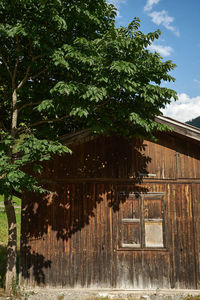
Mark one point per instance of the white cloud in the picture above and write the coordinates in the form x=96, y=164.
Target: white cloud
x=162, y=18
x=163, y=50
x=117, y=3
x=149, y=4
x=184, y=109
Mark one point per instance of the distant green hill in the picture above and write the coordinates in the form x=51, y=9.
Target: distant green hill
x=194, y=122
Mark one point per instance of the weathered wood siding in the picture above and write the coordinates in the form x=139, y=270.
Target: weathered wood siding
x=73, y=237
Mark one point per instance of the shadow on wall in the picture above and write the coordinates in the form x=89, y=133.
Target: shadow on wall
x=72, y=206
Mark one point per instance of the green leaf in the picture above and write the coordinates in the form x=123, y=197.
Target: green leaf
x=74, y=69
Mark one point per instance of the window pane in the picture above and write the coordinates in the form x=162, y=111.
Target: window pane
x=152, y=208
x=136, y=208
x=130, y=208
x=131, y=235
x=153, y=234
x=127, y=209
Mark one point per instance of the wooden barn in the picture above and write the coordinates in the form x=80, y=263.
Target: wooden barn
x=123, y=214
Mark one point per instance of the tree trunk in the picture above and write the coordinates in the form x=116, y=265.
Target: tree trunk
x=12, y=243
x=15, y=113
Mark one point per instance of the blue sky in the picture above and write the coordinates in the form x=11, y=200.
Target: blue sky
x=179, y=21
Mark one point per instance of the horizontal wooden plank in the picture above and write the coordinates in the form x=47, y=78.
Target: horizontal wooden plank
x=130, y=220
x=130, y=245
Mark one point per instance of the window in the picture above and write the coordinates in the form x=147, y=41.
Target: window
x=141, y=222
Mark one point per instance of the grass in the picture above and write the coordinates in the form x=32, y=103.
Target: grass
x=4, y=236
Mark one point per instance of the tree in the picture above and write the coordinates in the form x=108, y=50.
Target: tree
x=65, y=66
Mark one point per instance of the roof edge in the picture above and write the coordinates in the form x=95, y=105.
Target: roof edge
x=181, y=128
x=76, y=136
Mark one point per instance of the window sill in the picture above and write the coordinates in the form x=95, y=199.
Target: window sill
x=142, y=249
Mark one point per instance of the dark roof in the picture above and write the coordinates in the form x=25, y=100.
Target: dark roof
x=180, y=128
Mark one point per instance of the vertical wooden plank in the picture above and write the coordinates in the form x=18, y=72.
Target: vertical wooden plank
x=196, y=228
x=83, y=269
x=89, y=217
x=71, y=278
x=67, y=222
x=184, y=239
x=77, y=233
x=114, y=230
x=110, y=238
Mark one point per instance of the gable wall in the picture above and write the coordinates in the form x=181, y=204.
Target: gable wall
x=113, y=157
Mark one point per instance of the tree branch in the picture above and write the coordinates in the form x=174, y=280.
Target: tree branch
x=16, y=64
x=7, y=66
x=15, y=72
x=34, y=58
x=16, y=194
x=28, y=104
x=25, y=78
x=38, y=74
x=3, y=176
x=48, y=121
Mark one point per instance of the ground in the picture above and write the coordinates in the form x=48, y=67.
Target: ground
x=88, y=294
